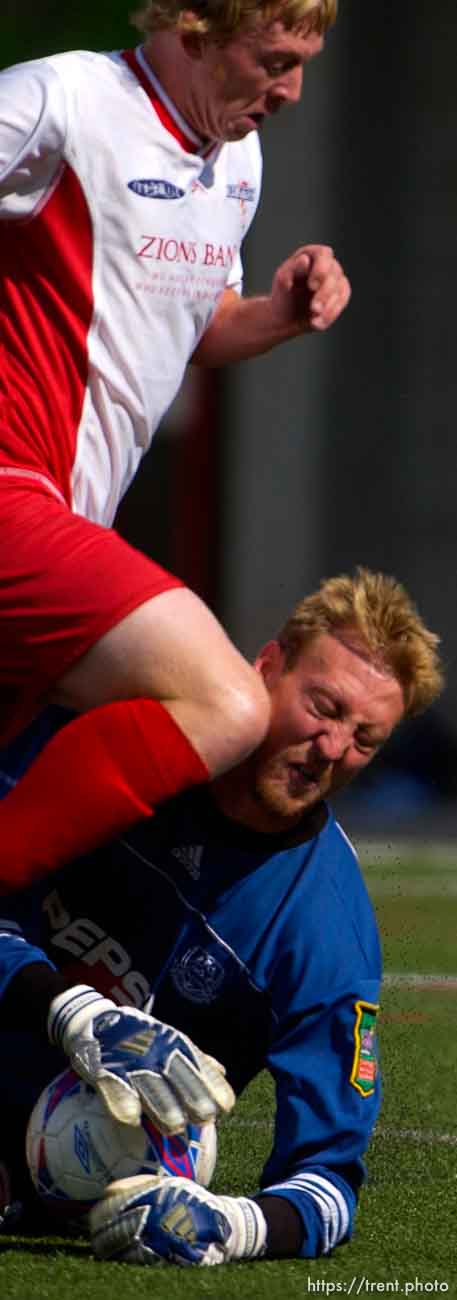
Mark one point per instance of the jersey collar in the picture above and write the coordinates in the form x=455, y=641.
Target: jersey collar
x=169, y=115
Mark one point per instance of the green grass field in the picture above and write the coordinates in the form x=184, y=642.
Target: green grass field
x=405, y=1241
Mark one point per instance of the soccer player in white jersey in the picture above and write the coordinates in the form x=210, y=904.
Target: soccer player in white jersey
x=127, y=182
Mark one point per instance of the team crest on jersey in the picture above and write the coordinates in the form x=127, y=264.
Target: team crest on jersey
x=365, y=1062
x=155, y=189
x=197, y=975
x=242, y=191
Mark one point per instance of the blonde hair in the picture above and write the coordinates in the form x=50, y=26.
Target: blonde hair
x=378, y=611
x=222, y=19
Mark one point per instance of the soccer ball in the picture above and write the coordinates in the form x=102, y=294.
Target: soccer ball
x=74, y=1148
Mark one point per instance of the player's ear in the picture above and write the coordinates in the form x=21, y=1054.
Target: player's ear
x=270, y=663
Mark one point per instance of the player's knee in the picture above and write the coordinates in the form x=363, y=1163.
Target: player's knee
x=244, y=709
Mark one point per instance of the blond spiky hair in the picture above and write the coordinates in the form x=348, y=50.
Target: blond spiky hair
x=384, y=619
x=222, y=19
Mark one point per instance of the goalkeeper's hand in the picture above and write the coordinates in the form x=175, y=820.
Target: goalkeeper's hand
x=136, y=1063
x=145, y=1219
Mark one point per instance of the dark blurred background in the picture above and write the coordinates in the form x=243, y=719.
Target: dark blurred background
x=338, y=449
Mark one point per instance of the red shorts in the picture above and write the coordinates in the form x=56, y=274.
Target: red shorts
x=64, y=582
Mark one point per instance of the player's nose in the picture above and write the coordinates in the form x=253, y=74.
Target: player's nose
x=295, y=84
x=332, y=742
x=288, y=89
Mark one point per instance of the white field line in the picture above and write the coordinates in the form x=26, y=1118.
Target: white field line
x=420, y=1136
x=416, y=980
x=393, y=852
x=438, y=887
x=409, y=868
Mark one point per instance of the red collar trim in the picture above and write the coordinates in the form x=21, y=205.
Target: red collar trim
x=159, y=107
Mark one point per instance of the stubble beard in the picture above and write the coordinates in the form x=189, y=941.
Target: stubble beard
x=276, y=792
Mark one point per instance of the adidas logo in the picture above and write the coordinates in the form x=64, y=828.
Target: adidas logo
x=190, y=856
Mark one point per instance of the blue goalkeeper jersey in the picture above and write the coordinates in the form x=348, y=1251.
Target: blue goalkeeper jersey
x=263, y=949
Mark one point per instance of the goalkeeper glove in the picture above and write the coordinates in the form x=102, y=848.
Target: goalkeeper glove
x=144, y=1219
x=137, y=1063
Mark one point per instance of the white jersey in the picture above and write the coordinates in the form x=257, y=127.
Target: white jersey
x=117, y=238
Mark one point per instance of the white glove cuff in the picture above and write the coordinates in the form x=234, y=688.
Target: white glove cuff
x=249, y=1228
x=72, y=1011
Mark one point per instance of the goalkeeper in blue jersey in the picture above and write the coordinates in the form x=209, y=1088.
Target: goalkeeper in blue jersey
x=238, y=916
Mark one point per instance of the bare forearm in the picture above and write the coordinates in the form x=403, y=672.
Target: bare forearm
x=241, y=328
x=308, y=293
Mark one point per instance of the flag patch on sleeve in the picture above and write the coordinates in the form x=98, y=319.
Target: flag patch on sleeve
x=365, y=1062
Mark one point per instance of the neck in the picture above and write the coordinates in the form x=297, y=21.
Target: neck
x=173, y=67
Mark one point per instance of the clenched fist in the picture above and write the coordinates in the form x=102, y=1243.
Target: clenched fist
x=309, y=290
